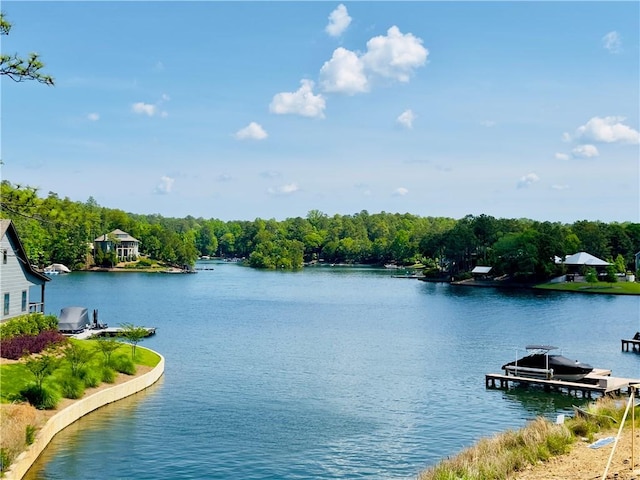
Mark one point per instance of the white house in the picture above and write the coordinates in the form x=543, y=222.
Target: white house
x=125, y=245
x=17, y=276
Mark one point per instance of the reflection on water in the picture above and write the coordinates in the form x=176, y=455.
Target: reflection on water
x=104, y=427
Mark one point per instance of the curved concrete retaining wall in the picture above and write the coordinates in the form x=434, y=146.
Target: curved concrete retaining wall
x=73, y=412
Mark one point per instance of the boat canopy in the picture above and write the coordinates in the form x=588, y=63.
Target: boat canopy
x=73, y=319
x=541, y=347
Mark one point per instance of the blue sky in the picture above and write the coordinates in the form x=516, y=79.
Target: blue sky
x=239, y=110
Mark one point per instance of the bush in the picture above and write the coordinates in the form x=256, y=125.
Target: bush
x=90, y=378
x=30, y=324
x=71, y=387
x=108, y=375
x=5, y=459
x=30, y=434
x=16, y=347
x=43, y=398
x=124, y=365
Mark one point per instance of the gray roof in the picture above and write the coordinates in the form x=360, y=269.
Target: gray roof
x=480, y=269
x=119, y=234
x=584, y=258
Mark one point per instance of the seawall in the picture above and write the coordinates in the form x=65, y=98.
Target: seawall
x=78, y=409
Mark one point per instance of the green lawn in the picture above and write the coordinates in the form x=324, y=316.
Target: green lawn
x=618, y=288
x=15, y=376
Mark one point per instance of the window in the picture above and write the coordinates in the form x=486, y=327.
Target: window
x=4, y=256
x=6, y=304
x=24, y=300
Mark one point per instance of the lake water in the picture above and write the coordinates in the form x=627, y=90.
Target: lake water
x=328, y=373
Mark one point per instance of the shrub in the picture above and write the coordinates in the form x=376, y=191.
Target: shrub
x=108, y=375
x=16, y=347
x=71, y=387
x=124, y=365
x=5, y=459
x=42, y=397
x=30, y=324
x=30, y=434
x=91, y=378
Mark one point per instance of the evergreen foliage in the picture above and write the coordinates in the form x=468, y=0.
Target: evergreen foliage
x=60, y=230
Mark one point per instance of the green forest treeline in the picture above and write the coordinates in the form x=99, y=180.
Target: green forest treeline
x=53, y=229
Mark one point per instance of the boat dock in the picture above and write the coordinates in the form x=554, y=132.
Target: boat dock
x=599, y=381
x=633, y=343
x=106, y=332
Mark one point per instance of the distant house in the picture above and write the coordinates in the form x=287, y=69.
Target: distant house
x=583, y=259
x=17, y=276
x=125, y=246
x=481, y=272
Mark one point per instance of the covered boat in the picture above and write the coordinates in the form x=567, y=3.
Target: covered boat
x=539, y=363
x=73, y=320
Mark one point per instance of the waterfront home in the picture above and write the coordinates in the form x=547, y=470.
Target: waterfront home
x=125, y=246
x=18, y=276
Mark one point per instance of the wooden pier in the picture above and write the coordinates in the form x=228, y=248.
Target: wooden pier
x=599, y=382
x=106, y=332
x=633, y=343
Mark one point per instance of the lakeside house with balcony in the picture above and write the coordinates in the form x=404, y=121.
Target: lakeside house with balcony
x=19, y=280
x=125, y=246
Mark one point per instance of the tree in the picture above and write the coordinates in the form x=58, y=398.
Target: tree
x=133, y=334
x=20, y=69
x=591, y=276
x=107, y=346
x=41, y=367
x=77, y=356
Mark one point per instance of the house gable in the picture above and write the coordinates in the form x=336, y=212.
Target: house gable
x=17, y=276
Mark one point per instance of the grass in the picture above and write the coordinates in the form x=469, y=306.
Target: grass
x=14, y=377
x=19, y=422
x=500, y=456
x=618, y=288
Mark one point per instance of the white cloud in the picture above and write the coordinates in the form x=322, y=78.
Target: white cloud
x=344, y=73
x=165, y=186
x=406, y=119
x=488, y=123
x=339, y=20
x=527, y=180
x=612, y=42
x=149, y=109
x=585, y=151
x=395, y=55
x=560, y=187
x=253, y=131
x=94, y=117
x=224, y=177
x=270, y=174
x=284, y=189
x=400, y=192
x=566, y=137
x=561, y=156
x=608, y=130
x=144, y=109
x=301, y=102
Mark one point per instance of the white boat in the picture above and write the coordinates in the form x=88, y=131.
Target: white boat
x=56, y=268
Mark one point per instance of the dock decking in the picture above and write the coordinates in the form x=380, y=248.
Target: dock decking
x=106, y=332
x=598, y=382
